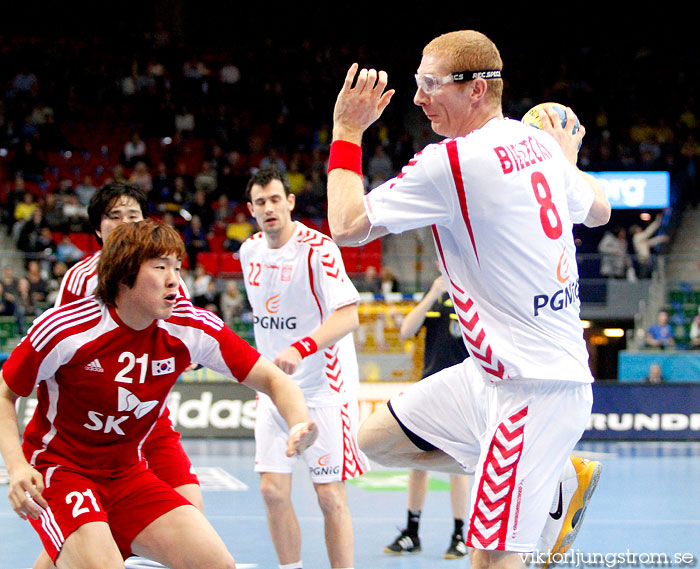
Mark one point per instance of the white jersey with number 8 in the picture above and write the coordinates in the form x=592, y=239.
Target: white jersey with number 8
x=502, y=202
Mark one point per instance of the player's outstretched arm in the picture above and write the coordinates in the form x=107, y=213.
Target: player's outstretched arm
x=267, y=378
x=26, y=484
x=356, y=108
x=414, y=319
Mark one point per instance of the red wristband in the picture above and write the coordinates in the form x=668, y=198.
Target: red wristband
x=305, y=346
x=347, y=155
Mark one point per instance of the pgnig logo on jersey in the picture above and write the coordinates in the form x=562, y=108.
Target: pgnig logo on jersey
x=275, y=322
x=558, y=300
x=324, y=466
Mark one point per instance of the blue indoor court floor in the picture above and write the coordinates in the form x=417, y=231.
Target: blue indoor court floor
x=647, y=503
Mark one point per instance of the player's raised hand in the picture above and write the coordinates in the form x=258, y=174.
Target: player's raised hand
x=26, y=486
x=356, y=108
x=301, y=437
x=569, y=141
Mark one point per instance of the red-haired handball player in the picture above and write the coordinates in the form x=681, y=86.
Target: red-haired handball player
x=501, y=199
x=103, y=368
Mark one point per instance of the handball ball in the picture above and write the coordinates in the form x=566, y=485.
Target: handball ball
x=532, y=117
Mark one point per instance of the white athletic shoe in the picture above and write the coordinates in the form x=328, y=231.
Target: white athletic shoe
x=564, y=522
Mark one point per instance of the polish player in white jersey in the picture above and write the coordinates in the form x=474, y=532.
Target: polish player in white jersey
x=305, y=309
x=103, y=368
x=501, y=199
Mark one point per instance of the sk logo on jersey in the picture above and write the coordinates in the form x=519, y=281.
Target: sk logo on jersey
x=163, y=367
x=129, y=402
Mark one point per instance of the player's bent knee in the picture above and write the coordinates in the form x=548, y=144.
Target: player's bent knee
x=272, y=494
x=332, y=498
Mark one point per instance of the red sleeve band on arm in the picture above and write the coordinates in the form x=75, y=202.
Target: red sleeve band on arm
x=305, y=346
x=347, y=155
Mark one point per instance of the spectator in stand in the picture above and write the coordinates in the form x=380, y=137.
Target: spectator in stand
x=28, y=163
x=206, y=178
x=222, y=213
x=660, y=335
x=232, y=303
x=211, y=299
x=379, y=166
x=75, y=213
x=7, y=302
x=28, y=237
x=26, y=307
x=370, y=281
x=161, y=186
x=273, y=159
x=199, y=281
x=15, y=194
x=9, y=283
x=185, y=121
x=45, y=249
x=117, y=175
x=85, y=190
x=68, y=252
x=58, y=271
x=615, y=259
x=53, y=212
x=134, y=150
x=695, y=331
x=38, y=284
x=195, y=238
x=643, y=242
x=141, y=176
x=295, y=177
x=201, y=207
x=238, y=231
x=389, y=283
x=654, y=377
x=24, y=209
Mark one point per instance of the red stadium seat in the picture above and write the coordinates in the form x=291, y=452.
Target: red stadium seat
x=351, y=259
x=210, y=262
x=216, y=243
x=230, y=263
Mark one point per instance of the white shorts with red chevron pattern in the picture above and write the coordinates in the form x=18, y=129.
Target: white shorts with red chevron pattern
x=515, y=437
x=334, y=456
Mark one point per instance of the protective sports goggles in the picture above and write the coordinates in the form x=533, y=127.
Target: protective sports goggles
x=430, y=83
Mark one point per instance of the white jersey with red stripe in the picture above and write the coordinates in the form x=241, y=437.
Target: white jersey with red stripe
x=101, y=385
x=292, y=291
x=501, y=203
x=81, y=281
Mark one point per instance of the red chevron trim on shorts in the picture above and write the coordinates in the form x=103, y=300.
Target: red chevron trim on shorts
x=488, y=525
x=352, y=467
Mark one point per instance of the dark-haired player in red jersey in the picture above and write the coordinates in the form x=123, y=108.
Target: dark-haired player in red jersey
x=103, y=368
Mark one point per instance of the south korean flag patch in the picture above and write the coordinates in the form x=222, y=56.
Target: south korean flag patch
x=163, y=367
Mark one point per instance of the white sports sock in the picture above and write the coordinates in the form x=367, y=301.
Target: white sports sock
x=297, y=565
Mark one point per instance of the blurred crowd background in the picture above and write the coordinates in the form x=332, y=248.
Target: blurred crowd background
x=187, y=99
